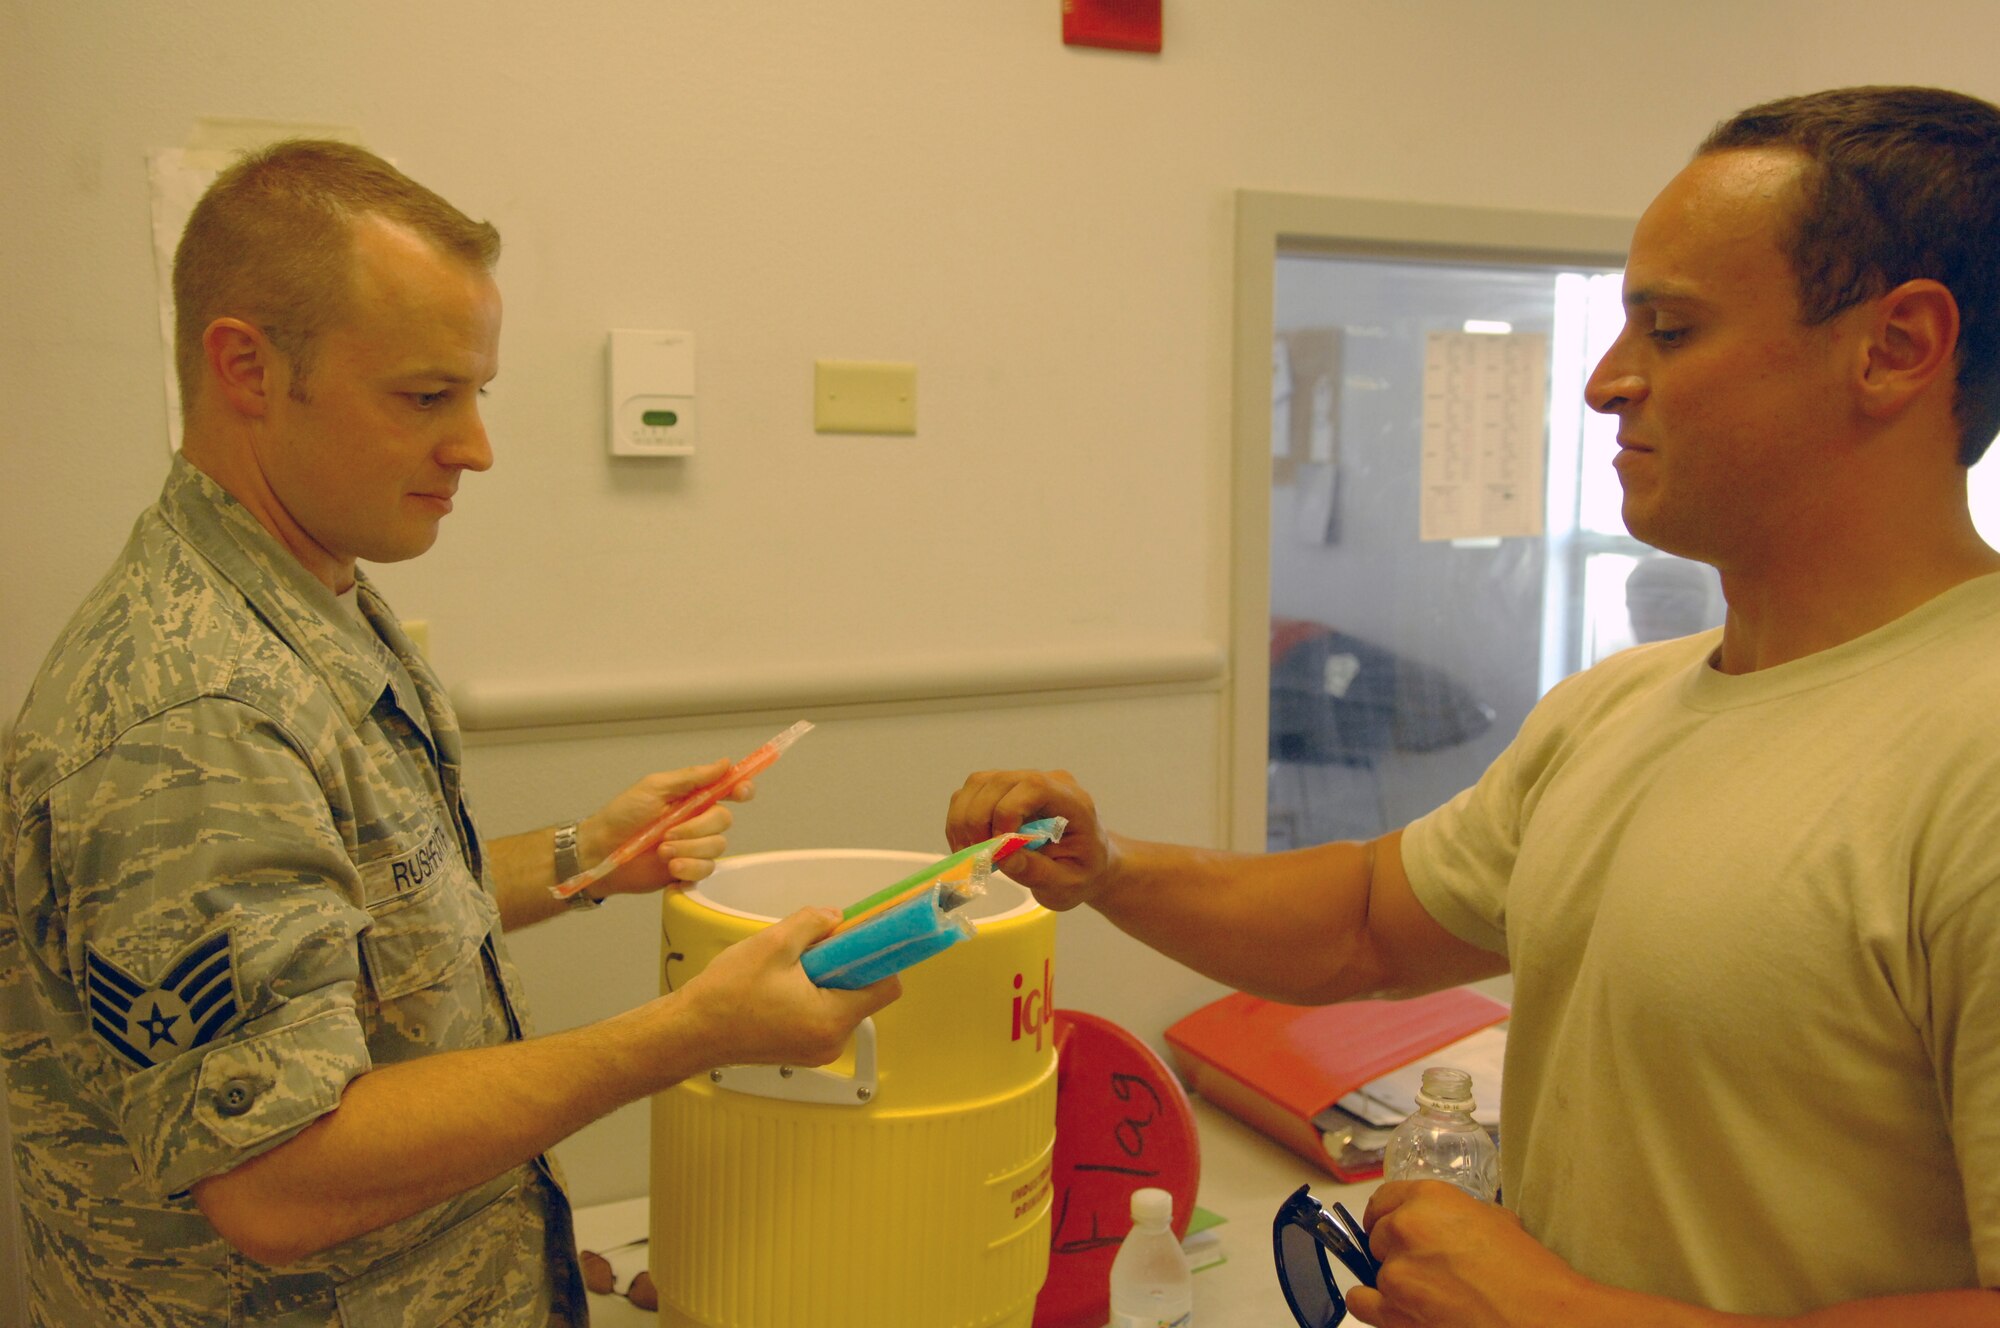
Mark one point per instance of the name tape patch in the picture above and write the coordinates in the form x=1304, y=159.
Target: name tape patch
x=421, y=863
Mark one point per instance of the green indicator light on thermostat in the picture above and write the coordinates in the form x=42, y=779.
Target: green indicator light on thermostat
x=659, y=419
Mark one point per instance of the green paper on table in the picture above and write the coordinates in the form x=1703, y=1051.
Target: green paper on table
x=1203, y=1241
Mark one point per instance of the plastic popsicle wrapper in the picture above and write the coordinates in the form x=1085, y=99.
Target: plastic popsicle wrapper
x=916, y=918
x=684, y=809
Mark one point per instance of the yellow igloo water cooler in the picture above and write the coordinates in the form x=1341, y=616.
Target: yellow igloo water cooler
x=904, y=1186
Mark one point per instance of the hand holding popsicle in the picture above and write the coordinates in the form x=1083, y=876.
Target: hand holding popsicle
x=966, y=865
x=681, y=805
x=684, y=855
x=1062, y=874
x=908, y=922
x=760, y=1008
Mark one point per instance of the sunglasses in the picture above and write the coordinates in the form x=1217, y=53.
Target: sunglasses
x=1301, y=1234
x=600, y=1276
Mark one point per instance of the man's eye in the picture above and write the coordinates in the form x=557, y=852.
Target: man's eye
x=425, y=400
x=1668, y=336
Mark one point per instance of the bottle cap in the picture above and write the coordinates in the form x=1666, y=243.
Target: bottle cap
x=1153, y=1207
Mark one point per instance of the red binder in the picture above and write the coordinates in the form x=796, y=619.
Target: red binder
x=1278, y=1066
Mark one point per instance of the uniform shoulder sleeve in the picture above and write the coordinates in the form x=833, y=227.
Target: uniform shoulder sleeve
x=203, y=922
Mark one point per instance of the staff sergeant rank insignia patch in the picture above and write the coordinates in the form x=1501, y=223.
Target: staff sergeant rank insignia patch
x=187, y=1007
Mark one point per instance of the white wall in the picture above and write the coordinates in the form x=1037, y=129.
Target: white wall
x=1044, y=231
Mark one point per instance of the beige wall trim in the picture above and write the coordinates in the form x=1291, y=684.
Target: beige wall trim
x=486, y=705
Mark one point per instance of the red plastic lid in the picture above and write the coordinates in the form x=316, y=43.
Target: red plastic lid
x=1122, y=1124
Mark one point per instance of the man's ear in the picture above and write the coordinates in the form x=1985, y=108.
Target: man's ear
x=244, y=368
x=1912, y=342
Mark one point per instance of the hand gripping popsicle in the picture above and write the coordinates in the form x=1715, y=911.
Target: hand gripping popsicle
x=917, y=916
x=682, y=810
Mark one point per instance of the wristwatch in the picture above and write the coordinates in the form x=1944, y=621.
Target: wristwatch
x=568, y=863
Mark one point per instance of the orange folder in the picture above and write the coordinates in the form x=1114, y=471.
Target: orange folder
x=1278, y=1066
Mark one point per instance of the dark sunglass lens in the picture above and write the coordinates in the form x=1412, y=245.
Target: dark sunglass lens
x=1306, y=1277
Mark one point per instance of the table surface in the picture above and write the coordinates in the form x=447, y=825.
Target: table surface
x=1244, y=1177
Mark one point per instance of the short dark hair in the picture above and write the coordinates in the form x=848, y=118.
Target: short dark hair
x=1899, y=183
x=272, y=242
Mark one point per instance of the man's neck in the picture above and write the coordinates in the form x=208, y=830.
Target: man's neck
x=241, y=480
x=1825, y=594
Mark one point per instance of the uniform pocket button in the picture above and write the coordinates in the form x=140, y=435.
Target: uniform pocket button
x=235, y=1097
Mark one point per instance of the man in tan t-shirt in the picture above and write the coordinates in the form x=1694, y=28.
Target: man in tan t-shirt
x=1753, y=872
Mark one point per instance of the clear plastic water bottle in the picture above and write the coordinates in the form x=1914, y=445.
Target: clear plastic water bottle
x=1441, y=1141
x=1151, y=1286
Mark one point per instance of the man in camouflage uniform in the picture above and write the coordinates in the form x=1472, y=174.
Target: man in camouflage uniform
x=264, y=1049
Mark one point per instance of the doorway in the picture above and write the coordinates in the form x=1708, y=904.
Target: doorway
x=1427, y=535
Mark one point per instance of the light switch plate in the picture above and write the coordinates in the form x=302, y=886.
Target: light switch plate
x=652, y=406
x=857, y=396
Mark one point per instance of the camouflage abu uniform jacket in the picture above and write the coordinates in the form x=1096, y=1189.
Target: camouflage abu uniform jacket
x=236, y=871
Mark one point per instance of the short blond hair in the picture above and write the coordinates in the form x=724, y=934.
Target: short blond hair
x=272, y=242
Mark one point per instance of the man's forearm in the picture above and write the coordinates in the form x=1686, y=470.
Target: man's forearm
x=1310, y=926
x=1278, y=925
x=410, y=1135
x=523, y=869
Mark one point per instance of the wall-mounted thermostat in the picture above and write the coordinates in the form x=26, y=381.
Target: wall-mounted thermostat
x=652, y=393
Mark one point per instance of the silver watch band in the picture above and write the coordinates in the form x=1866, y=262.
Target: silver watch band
x=568, y=863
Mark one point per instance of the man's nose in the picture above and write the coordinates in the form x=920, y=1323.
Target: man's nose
x=1612, y=385
x=469, y=447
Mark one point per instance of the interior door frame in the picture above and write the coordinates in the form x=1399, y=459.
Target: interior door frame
x=1269, y=225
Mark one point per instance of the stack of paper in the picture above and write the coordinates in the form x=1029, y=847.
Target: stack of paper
x=1386, y=1101
x=1203, y=1242
x=1291, y=1071
x=1355, y=1130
